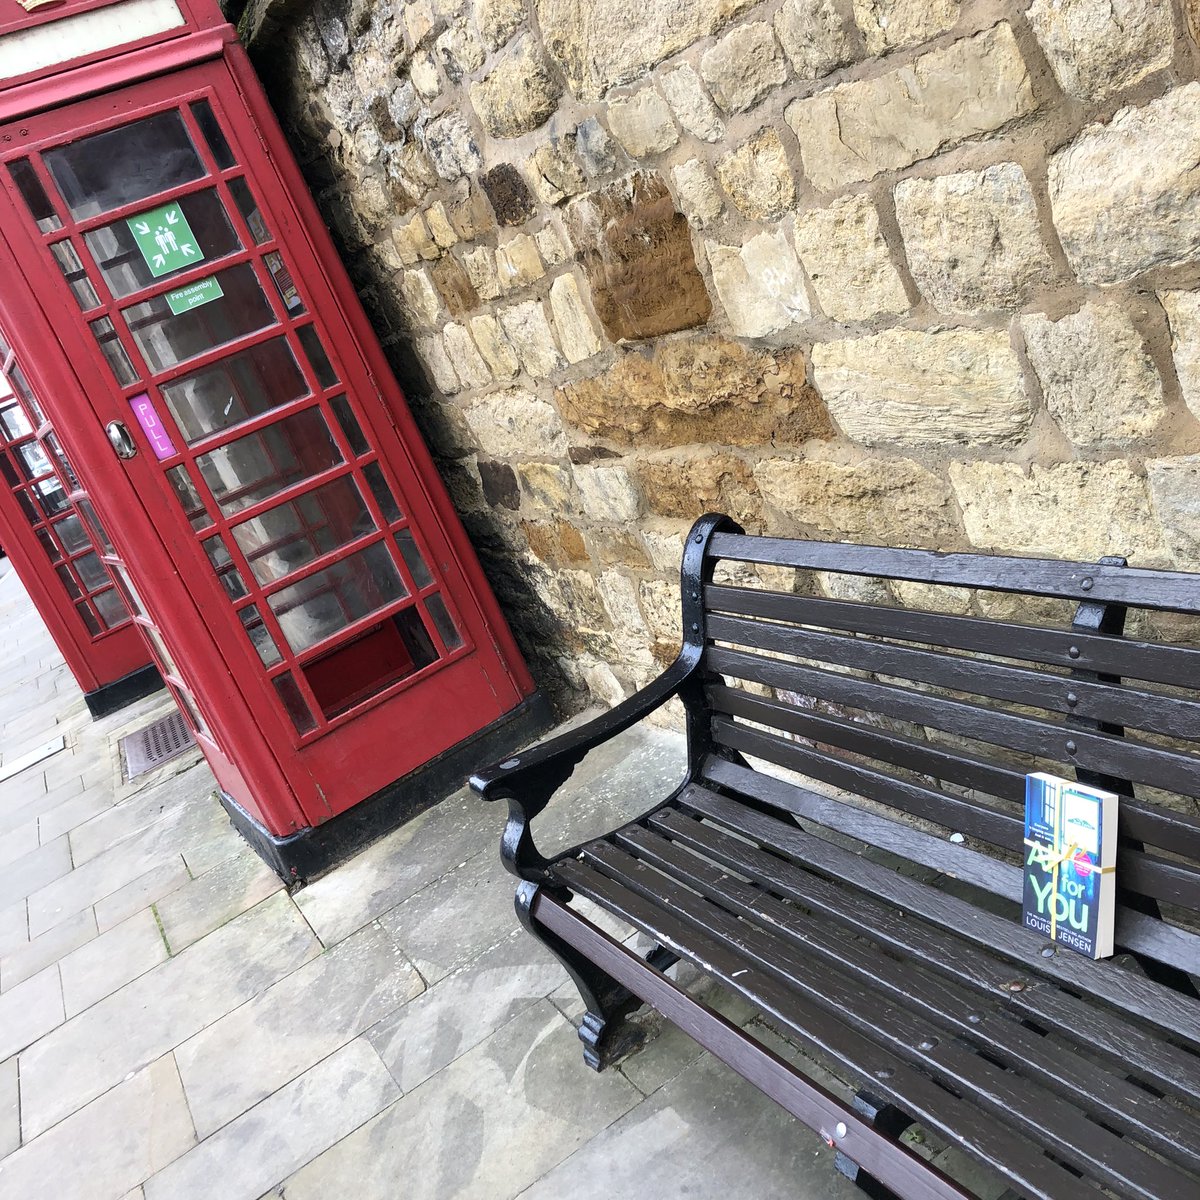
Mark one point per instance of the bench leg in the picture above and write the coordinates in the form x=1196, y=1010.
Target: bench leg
x=883, y=1118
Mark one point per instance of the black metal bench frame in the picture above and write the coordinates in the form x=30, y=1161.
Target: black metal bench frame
x=1059, y=1073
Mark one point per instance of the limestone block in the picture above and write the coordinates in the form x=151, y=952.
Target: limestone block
x=692, y=104
x=549, y=486
x=608, y=494
x=555, y=172
x=1098, y=47
x=465, y=358
x=551, y=246
x=310, y=52
x=516, y=424
x=508, y=194
x=519, y=93
x=1175, y=490
x=814, y=37
x=403, y=105
x=743, y=66
x=1099, y=383
x=409, y=166
x=420, y=298
x=440, y=227
x=499, y=484
x=532, y=338
x=433, y=354
x=642, y=123
x=576, y=334
x=412, y=241
x=558, y=543
x=460, y=51
x=1078, y=510
x=1124, y=194
x=698, y=390
x=757, y=176
x=495, y=347
x=681, y=485
x=454, y=285
x=698, y=194
x=480, y=266
x=890, y=24
x=848, y=262
x=498, y=20
x=418, y=17
x=518, y=263
x=471, y=216
x=601, y=43
x=855, y=130
x=660, y=603
x=912, y=388
x=887, y=501
x=636, y=250
x=972, y=239
x=620, y=596
x=760, y=284
x=1183, y=311
x=425, y=76
x=595, y=148
x=604, y=685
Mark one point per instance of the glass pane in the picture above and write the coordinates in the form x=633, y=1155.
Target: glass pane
x=34, y=195
x=413, y=559
x=31, y=514
x=72, y=535
x=75, y=275
x=445, y=625
x=51, y=496
x=207, y=120
x=260, y=464
x=9, y=471
x=98, y=530
x=244, y=199
x=191, y=320
x=32, y=460
x=319, y=360
x=187, y=705
x=135, y=601
x=317, y=607
x=122, y=166
x=114, y=352
x=382, y=493
x=64, y=463
x=185, y=490
x=260, y=636
x=111, y=608
x=53, y=553
x=21, y=387
x=123, y=265
x=293, y=703
x=244, y=385
x=350, y=426
x=283, y=283
x=15, y=422
x=91, y=571
x=68, y=581
x=89, y=619
x=223, y=564
x=293, y=534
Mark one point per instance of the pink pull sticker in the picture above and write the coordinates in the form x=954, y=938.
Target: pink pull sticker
x=152, y=426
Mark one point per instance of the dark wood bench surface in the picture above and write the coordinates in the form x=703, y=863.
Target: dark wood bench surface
x=861, y=885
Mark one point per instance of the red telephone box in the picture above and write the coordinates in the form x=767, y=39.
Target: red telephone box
x=247, y=463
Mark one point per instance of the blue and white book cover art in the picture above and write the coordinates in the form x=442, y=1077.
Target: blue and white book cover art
x=1070, y=855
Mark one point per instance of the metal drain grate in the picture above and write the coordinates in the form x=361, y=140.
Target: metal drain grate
x=156, y=744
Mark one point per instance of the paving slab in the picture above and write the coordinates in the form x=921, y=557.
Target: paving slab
x=116, y=957
x=31, y=872
x=159, y=1010
x=10, y=1107
x=28, y=959
x=243, y=1057
x=114, y=1143
x=18, y=842
x=14, y=927
x=485, y=1128
x=141, y=892
x=71, y=810
x=284, y=1132
x=18, y=811
x=29, y=1010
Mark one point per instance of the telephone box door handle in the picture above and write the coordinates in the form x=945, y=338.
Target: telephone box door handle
x=121, y=440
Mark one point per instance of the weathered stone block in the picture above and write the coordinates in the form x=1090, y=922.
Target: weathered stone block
x=855, y=130
x=1183, y=311
x=886, y=501
x=499, y=483
x=972, y=239
x=910, y=388
x=471, y=216
x=515, y=424
x=555, y=171
x=890, y=24
x=760, y=284
x=452, y=147
x=637, y=252
x=432, y=351
x=518, y=263
x=520, y=93
x=1099, y=383
x=683, y=484
x=757, y=176
x=560, y=544
x=495, y=347
x=1124, y=194
x=460, y=51
x=420, y=299
x=454, y=286
x=702, y=390
x=440, y=225
x=468, y=364
x=576, y=334
x=601, y=43
x=1098, y=47
x=608, y=494
x=508, y=194
x=1175, y=490
x=814, y=37
x=848, y=262
x=552, y=246
x=549, y=486
x=531, y=337
x=425, y=77
x=743, y=66
x=498, y=20
x=698, y=194
x=692, y=104
x=1079, y=510
x=595, y=148
x=642, y=123
x=412, y=241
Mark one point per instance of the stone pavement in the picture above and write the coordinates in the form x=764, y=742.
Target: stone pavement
x=174, y=1024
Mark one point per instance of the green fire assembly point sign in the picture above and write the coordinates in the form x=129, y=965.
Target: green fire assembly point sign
x=184, y=299
x=165, y=239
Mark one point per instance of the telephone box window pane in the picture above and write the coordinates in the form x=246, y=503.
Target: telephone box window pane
x=124, y=165
x=68, y=581
x=244, y=199
x=294, y=534
x=15, y=422
x=111, y=608
x=32, y=460
x=89, y=619
x=178, y=325
x=63, y=462
x=53, y=553
x=31, y=514
x=445, y=624
x=260, y=464
x=110, y=343
x=413, y=559
x=135, y=601
x=207, y=120
x=185, y=490
x=21, y=387
x=350, y=426
x=260, y=636
x=9, y=471
x=223, y=564
x=34, y=195
x=293, y=703
x=122, y=264
x=284, y=284
x=91, y=572
x=382, y=493
x=72, y=535
x=244, y=385
x=75, y=275
x=98, y=530
x=51, y=496
x=318, y=359
x=319, y=606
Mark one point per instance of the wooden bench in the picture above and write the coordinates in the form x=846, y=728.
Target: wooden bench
x=860, y=885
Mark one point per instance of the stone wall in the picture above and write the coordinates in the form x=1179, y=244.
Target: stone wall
x=917, y=272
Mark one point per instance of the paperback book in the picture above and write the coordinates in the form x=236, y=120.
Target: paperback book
x=1070, y=857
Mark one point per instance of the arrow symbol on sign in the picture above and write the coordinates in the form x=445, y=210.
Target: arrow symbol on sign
x=143, y=228
x=160, y=260
x=172, y=216
x=187, y=249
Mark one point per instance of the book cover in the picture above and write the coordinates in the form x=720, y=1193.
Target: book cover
x=1070, y=857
